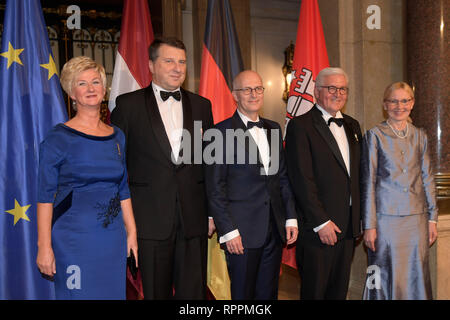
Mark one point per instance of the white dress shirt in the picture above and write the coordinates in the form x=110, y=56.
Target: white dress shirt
x=171, y=112
x=341, y=138
x=260, y=137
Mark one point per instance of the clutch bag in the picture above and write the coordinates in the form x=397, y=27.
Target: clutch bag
x=131, y=264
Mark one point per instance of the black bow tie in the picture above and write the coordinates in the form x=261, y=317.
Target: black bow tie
x=251, y=124
x=166, y=94
x=338, y=121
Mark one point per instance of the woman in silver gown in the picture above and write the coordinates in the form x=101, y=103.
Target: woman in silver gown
x=398, y=203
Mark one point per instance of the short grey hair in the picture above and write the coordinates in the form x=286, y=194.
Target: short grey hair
x=329, y=71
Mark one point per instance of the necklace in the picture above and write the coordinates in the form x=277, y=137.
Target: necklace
x=397, y=133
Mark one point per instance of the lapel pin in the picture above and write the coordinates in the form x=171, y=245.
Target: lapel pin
x=356, y=137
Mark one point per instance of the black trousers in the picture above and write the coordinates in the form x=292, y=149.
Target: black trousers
x=254, y=275
x=324, y=270
x=174, y=268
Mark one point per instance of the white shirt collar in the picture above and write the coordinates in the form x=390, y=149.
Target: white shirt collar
x=244, y=118
x=157, y=89
x=326, y=115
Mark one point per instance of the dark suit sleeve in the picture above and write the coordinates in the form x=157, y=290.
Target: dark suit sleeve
x=285, y=185
x=301, y=175
x=208, y=121
x=216, y=189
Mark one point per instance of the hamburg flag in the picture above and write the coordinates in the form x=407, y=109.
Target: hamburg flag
x=131, y=72
x=310, y=56
x=31, y=103
x=221, y=62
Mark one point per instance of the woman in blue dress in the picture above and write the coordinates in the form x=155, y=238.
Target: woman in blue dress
x=86, y=226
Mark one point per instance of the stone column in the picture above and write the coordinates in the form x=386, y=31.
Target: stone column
x=428, y=66
x=373, y=58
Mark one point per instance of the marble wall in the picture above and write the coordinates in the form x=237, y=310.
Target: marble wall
x=373, y=58
x=428, y=41
x=273, y=28
x=428, y=67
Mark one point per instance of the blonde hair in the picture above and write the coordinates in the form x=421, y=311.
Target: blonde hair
x=395, y=86
x=74, y=67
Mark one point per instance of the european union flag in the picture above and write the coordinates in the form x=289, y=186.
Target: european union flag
x=31, y=103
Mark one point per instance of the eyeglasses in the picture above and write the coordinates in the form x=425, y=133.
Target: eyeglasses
x=333, y=89
x=394, y=102
x=247, y=91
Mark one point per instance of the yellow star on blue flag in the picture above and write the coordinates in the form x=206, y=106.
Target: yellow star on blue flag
x=51, y=67
x=12, y=55
x=19, y=212
x=31, y=104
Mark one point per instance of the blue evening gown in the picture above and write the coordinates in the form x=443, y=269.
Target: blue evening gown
x=85, y=178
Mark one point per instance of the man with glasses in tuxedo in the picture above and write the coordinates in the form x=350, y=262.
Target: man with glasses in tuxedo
x=250, y=198
x=323, y=156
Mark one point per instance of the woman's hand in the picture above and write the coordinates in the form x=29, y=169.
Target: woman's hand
x=432, y=232
x=370, y=235
x=130, y=227
x=132, y=245
x=46, y=261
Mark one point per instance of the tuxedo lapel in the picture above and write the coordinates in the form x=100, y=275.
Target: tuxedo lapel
x=157, y=123
x=268, y=130
x=352, y=139
x=325, y=132
x=188, y=123
x=239, y=124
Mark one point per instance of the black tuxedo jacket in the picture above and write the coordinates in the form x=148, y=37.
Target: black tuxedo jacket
x=240, y=197
x=156, y=183
x=318, y=175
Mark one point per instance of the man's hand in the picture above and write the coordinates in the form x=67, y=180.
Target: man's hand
x=291, y=235
x=211, y=227
x=235, y=245
x=328, y=233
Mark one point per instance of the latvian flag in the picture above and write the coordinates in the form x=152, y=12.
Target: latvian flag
x=131, y=71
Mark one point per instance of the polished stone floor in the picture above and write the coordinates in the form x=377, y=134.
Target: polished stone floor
x=289, y=285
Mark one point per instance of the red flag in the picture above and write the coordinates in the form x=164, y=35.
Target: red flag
x=310, y=56
x=131, y=72
x=221, y=62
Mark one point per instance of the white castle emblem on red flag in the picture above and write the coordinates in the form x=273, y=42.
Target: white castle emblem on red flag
x=301, y=98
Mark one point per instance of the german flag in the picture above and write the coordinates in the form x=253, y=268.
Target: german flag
x=221, y=62
x=221, y=59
